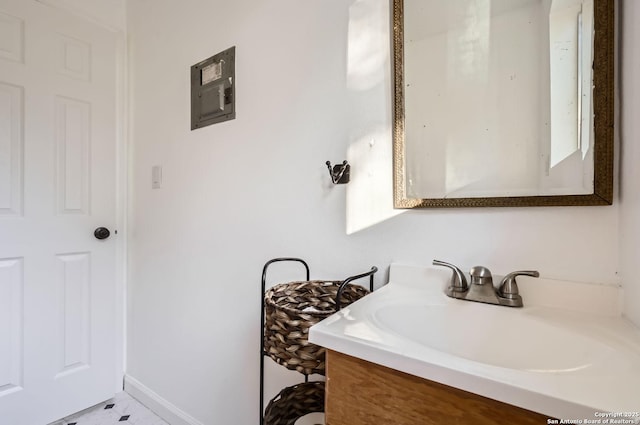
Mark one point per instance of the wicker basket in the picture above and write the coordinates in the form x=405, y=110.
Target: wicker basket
x=291, y=309
x=294, y=402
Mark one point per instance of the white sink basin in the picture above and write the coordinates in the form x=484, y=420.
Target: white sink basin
x=554, y=359
x=498, y=336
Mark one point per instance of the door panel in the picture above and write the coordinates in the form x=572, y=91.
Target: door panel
x=11, y=38
x=11, y=325
x=74, y=280
x=57, y=184
x=11, y=148
x=72, y=129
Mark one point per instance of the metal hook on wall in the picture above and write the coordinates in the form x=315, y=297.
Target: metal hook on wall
x=340, y=172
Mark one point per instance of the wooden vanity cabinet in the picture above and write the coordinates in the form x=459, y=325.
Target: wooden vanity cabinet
x=363, y=393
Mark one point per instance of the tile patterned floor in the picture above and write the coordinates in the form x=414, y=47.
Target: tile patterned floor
x=120, y=410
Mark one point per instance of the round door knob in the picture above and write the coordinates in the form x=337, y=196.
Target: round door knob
x=102, y=233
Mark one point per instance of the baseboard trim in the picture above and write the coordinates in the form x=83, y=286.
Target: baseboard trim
x=160, y=406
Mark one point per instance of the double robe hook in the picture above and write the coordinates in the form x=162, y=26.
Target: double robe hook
x=340, y=172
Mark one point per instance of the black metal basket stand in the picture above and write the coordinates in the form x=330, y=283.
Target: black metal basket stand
x=314, y=403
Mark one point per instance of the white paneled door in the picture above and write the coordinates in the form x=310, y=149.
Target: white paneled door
x=57, y=185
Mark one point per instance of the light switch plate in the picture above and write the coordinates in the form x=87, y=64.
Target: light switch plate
x=156, y=177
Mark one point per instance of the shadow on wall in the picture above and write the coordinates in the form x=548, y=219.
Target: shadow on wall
x=370, y=192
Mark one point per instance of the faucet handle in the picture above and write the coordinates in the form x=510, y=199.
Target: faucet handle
x=509, y=286
x=458, y=280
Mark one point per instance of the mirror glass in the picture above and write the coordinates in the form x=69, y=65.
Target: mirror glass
x=498, y=99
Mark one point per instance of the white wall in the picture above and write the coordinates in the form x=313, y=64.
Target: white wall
x=630, y=158
x=239, y=193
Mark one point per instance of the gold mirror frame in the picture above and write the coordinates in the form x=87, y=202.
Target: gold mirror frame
x=603, y=106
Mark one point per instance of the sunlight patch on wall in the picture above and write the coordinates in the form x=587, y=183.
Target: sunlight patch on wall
x=370, y=192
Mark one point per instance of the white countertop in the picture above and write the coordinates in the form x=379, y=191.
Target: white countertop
x=589, y=364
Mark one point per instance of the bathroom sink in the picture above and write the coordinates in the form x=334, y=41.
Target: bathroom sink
x=507, y=338
x=567, y=353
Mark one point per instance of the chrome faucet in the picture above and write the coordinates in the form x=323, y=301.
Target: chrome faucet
x=481, y=288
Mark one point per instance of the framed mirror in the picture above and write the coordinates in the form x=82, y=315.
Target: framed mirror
x=502, y=103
